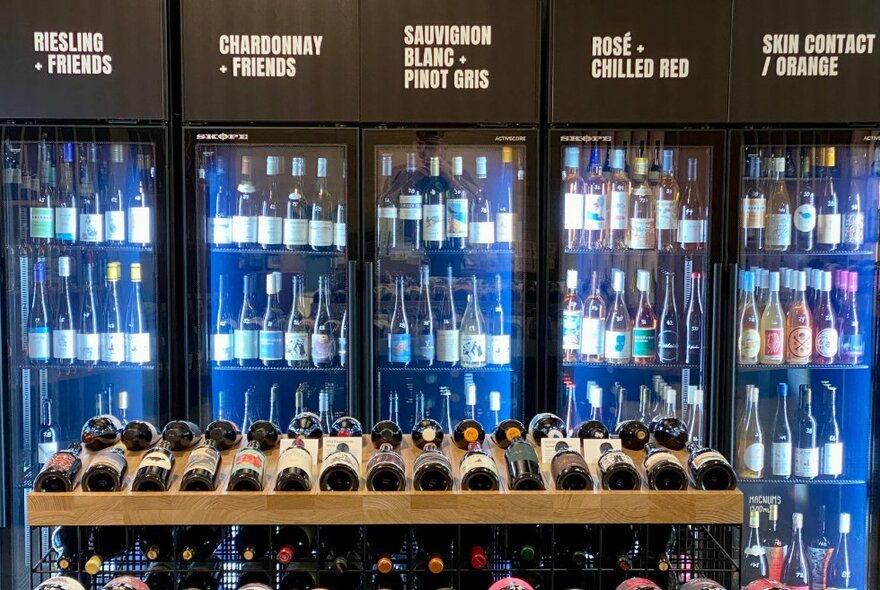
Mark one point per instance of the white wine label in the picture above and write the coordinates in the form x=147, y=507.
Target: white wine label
x=340, y=235
x=387, y=213
x=221, y=347
x=65, y=223
x=753, y=457
x=594, y=212
x=220, y=231
x=618, y=212
x=320, y=233
x=457, y=218
x=481, y=232
x=574, y=211
x=88, y=347
x=411, y=207
x=137, y=348
x=707, y=456
x=271, y=344
x=433, y=223
x=113, y=347
x=617, y=345
x=114, y=226
x=448, y=346
x=778, y=231
x=473, y=349
x=651, y=461
x=295, y=457
x=571, y=330
x=754, y=550
x=296, y=232
x=155, y=458
x=780, y=460
x=805, y=218
x=323, y=348
x=202, y=458
x=296, y=346
x=806, y=462
x=269, y=230
x=666, y=213
x=312, y=445
x=827, y=342
x=91, y=228
x=828, y=229
x=244, y=229
x=749, y=343
x=64, y=344
x=355, y=447
x=548, y=447
x=504, y=227
x=753, y=211
x=853, y=228
x=499, y=349
x=247, y=344
x=692, y=231
x=642, y=234
x=593, y=336
x=45, y=450
x=42, y=222
x=477, y=461
x=832, y=459
x=140, y=223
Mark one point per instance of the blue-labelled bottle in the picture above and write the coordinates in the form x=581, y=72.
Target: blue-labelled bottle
x=399, y=339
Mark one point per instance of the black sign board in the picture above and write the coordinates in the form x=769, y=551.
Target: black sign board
x=455, y=61
x=640, y=61
x=805, y=61
x=270, y=60
x=83, y=59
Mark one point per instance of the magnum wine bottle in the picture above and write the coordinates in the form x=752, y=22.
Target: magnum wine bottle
x=386, y=432
x=154, y=472
x=569, y=469
x=197, y=543
x=59, y=472
x=386, y=470
x=523, y=468
x=466, y=432
x=709, y=469
x=478, y=470
x=224, y=433
x=139, y=435
x=181, y=435
x=663, y=469
x=156, y=543
x=202, y=466
x=425, y=431
x=106, y=471
x=618, y=470
x=247, y=469
x=340, y=471
x=346, y=426
x=293, y=542
x=507, y=431
x=633, y=434
x=306, y=425
x=294, y=469
x=100, y=432
x=546, y=425
x=432, y=470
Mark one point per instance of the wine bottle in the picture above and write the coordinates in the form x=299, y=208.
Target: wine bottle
x=346, y=426
x=386, y=432
x=595, y=202
x=799, y=325
x=140, y=213
x=633, y=434
x=384, y=543
x=754, y=565
x=270, y=227
x=63, y=327
x=748, y=337
x=246, y=344
x=38, y=333
x=224, y=433
x=806, y=448
x=434, y=210
x=750, y=438
x=323, y=335
x=249, y=414
x=795, y=571
x=778, y=224
x=592, y=338
x=88, y=339
x=65, y=210
x=274, y=409
x=852, y=340
x=840, y=574
x=827, y=338
x=618, y=204
x=618, y=333
x=546, y=425
x=139, y=435
x=106, y=471
x=427, y=431
x=271, y=333
x=694, y=322
x=641, y=228
x=668, y=327
x=154, y=472
x=399, y=339
x=853, y=232
x=644, y=339
x=248, y=467
x=572, y=319
x=498, y=350
x=107, y=542
x=669, y=431
x=774, y=546
x=524, y=546
x=410, y=205
x=448, y=333
x=754, y=208
x=594, y=427
x=47, y=434
x=422, y=329
x=340, y=471
x=478, y=470
x=137, y=337
x=296, y=337
x=295, y=227
x=663, y=469
x=101, y=432
x=473, y=331
x=523, y=468
x=780, y=462
x=294, y=468
x=181, y=435
x=458, y=207
x=466, y=432
x=507, y=431
x=819, y=552
x=251, y=542
x=202, y=467
x=306, y=425
x=291, y=542
x=772, y=326
x=386, y=470
x=573, y=189
x=60, y=470
x=220, y=223
x=481, y=220
x=804, y=217
x=692, y=223
x=156, y=543
x=831, y=464
x=114, y=204
x=617, y=470
x=386, y=210
x=198, y=543
x=244, y=219
x=432, y=470
x=569, y=469
x=264, y=433
x=828, y=219
x=435, y=545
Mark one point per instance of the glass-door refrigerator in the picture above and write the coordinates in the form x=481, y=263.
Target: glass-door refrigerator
x=632, y=218
x=451, y=251
x=803, y=235
x=85, y=237
x=272, y=228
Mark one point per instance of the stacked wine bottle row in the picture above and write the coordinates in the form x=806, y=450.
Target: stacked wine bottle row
x=382, y=557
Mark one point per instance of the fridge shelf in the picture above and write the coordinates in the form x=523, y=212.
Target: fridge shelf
x=105, y=247
x=285, y=368
x=81, y=369
x=456, y=369
x=630, y=366
x=808, y=253
x=618, y=251
x=743, y=482
x=784, y=367
x=275, y=252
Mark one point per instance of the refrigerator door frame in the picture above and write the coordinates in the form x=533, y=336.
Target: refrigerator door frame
x=528, y=136
x=194, y=405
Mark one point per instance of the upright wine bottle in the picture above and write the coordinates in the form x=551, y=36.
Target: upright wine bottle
x=774, y=546
x=778, y=225
x=246, y=336
x=434, y=209
x=248, y=467
x=38, y=333
x=618, y=204
x=692, y=223
x=386, y=210
x=410, y=203
x=422, y=329
x=154, y=472
x=572, y=318
x=432, y=470
x=386, y=470
x=295, y=228
x=831, y=463
x=138, y=348
x=473, y=331
x=573, y=191
x=595, y=204
x=297, y=348
x=60, y=470
x=772, y=326
x=617, y=470
x=481, y=219
x=224, y=327
x=47, y=435
x=106, y=471
x=117, y=189
x=644, y=339
x=828, y=218
x=668, y=327
x=88, y=339
x=270, y=227
x=806, y=448
x=294, y=468
x=853, y=232
x=618, y=326
x=512, y=192
x=694, y=322
x=202, y=466
x=340, y=471
x=641, y=228
x=569, y=469
x=140, y=212
x=827, y=338
x=780, y=458
x=220, y=224
x=244, y=219
x=63, y=327
x=399, y=338
x=852, y=340
x=498, y=348
x=799, y=324
x=754, y=208
x=523, y=468
x=754, y=566
x=323, y=335
x=65, y=209
x=795, y=570
x=448, y=333
x=840, y=574
x=819, y=552
x=804, y=216
x=271, y=334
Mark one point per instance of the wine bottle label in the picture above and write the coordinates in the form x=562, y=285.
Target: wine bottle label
x=112, y=347
x=249, y=459
x=778, y=231
x=499, y=349
x=773, y=344
x=806, y=462
x=340, y=235
x=295, y=457
x=91, y=228
x=818, y=558
x=271, y=345
x=269, y=230
x=448, y=346
x=114, y=226
x=296, y=346
x=832, y=458
x=139, y=224
x=827, y=341
x=642, y=233
x=60, y=461
x=780, y=461
x=457, y=218
x=504, y=227
x=854, y=229
x=753, y=457
x=113, y=461
x=220, y=231
x=64, y=344
x=571, y=329
x=45, y=451
x=221, y=347
x=320, y=233
x=593, y=336
x=137, y=348
x=433, y=223
x=666, y=213
x=296, y=232
x=128, y=583
x=88, y=347
x=852, y=347
x=482, y=232
x=202, y=458
x=42, y=222
x=753, y=211
x=477, y=461
x=423, y=347
x=644, y=343
x=805, y=218
x=618, y=212
x=754, y=550
x=155, y=458
x=399, y=348
x=246, y=344
x=323, y=348
x=473, y=349
x=61, y=583
x=610, y=459
x=387, y=212
x=693, y=231
x=340, y=459
x=65, y=223
x=411, y=207
x=667, y=346
x=244, y=229
x=594, y=212
x=775, y=561
x=706, y=456
x=617, y=344
x=828, y=229
x=38, y=344
x=800, y=345
x=749, y=343
x=657, y=458
x=574, y=211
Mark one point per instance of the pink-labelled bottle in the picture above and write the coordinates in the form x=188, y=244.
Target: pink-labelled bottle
x=852, y=341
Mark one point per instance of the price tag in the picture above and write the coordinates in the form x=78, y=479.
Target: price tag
x=548, y=447
x=355, y=445
x=311, y=445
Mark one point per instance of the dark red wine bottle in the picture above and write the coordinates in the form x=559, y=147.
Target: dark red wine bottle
x=60, y=471
x=181, y=435
x=139, y=435
x=633, y=434
x=154, y=472
x=265, y=433
x=107, y=471
x=425, y=431
x=202, y=466
x=507, y=431
x=100, y=432
x=224, y=433
x=386, y=431
x=306, y=425
x=569, y=469
x=466, y=432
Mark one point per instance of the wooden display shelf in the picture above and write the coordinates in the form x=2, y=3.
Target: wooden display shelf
x=79, y=508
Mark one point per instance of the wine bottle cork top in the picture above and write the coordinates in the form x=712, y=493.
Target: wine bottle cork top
x=384, y=564
x=471, y=434
x=572, y=157
x=113, y=271
x=273, y=165
x=135, y=272
x=93, y=565
x=481, y=167
x=845, y=523
x=63, y=266
x=640, y=165
x=117, y=153
x=507, y=154
x=457, y=165
x=435, y=166
x=571, y=278
x=435, y=565
x=797, y=520
x=754, y=519
x=297, y=166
